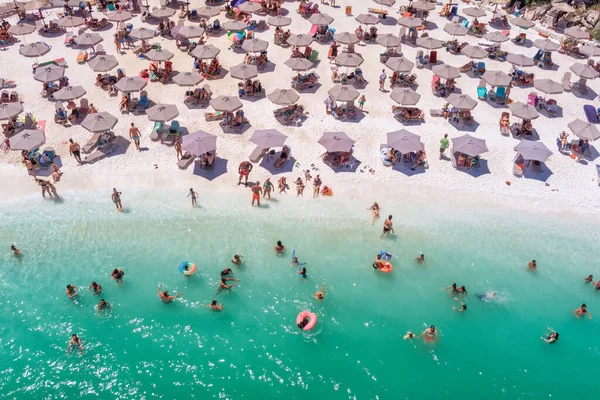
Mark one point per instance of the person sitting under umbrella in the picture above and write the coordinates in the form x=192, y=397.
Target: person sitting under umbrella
x=60, y=117
x=124, y=104
x=282, y=158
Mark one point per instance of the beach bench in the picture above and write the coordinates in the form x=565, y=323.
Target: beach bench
x=101, y=154
x=258, y=154
x=91, y=144
x=379, y=11
x=186, y=162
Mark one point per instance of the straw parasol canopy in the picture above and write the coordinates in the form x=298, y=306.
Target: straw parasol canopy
x=299, y=64
x=187, y=78
x=159, y=55
x=520, y=60
x=284, y=97
x=130, y=84
x=99, y=122
x=410, y=22
x=536, y=151
x=469, y=145
x=475, y=12
x=385, y=2
x=590, y=51
x=208, y=12
x=429, y=43
x=562, y=7
x=69, y=93
x=226, y=103
x=336, y=141
x=349, y=59
x=244, y=71
x=367, y=19
x=119, y=16
x=423, y=5
x=584, y=130
x=343, y=93
x=255, y=45
x=584, y=71
x=199, y=142
x=235, y=26
x=388, y=40
x=21, y=28
x=522, y=22
x=474, y=52
x=34, y=49
x=455, y=29
x=546, y=45
x=250, y=7
x=163, y=13
x=548, y=86
x=29, y=139
x=103, y=63
x=206, y=51
x=405, y=96
x=523, y=111
x=496, y=37
x=9, y=110
x=496, y=78
x=462, y=102
x=446, y=71
x=404, y=141
x=267, y=138
x=279, y=21
x=88, y=39
x=190, y=32
x=162, y=112
x=346, y=38
x=577, y=33
x=399, y=64
x=142, y=33
x=320, y=19
x=49, y=73
x=300, y=40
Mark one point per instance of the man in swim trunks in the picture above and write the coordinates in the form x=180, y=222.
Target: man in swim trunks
x=75, y=150
x=237, y=259
x=226, y=272
x=194, y=196
x=116, y=198
x=256, y=192
x=388, y=226
x=165, y=297
x=303, y=273
x=377, y=262
x=317, y=186
x=134, y=134
x=118, y=275
x=223, y=283
x=76, y=343
x=244, y=170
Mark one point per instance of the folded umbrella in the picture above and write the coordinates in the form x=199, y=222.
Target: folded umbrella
x=199, y=142
x=404, y=141
x=99, y=122
x=267, y=138
x=162, y=112
x=29, y=139
x=336, y=141
x=469, y=145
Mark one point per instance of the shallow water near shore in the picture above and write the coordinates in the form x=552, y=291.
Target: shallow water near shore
x=253, y=349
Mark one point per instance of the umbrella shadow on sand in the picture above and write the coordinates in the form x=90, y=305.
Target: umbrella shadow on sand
x=219, y=168
x=590, y=94
x=252, y=99
x=407, y=170
x=351, y=166
x=235, y=129
x=120, y=147
x=543, y=176
x=481, y=169
x=268, y=163
x=47, y=171
x=464, y=127
x=269, y=67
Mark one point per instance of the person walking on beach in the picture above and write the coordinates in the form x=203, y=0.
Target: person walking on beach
x=267, y=188
x=194, y=195
x=382, y=78
x=178, y=150
x=375, y=210
x=166, y=297
x=244, y=170
x=317, y=186
x=75, y=151
x=444, y=144
x=75, y=343
x=256, y=192
x=117, y=43
x=282, y=184
x=388, y=226
x=45, y=185
x=52, y=190
x=134, y=134
x=116, y=198
x=299, y=187
x=30, y=168
x=361, y=102
x=56, y=172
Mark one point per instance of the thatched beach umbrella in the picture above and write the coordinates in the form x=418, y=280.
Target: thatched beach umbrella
x=206, y=51
x=267, y=138
x=49, y=73
x=336, y=141
x=388, y=40
x=584, y=130
x=130, y=84
x=9, y=110
x=226, y=103
x=367, y=19
x=279, y=21
x=255, y=45
x=349, y=60
x=235, y=26
x=399, y=64
x=522, y=22
x=346, y=38
x=475, y=12
x=548, y=86
x=343, y=93
x=190, y=32
x=199, y=142
x=142, y=33
x=159, y=55
x=208, y=12
x=34, y=49
x=496, y=37
x=546, y=45
x=455, y=29
x=474, y=52
x=300, y=40
x=162, y=112
x=405, y=96
x=284, y=97
x=446, y=71
x=103, y=63
x=410, y=22
x=523, y=111
x=320, y=19
x=404, y=141
x=535, y=151
x=69, y=93
x=520, y=60
x=429, y=43
x=88, y=39
x=299, y=64
x=244, y=71
x=187, y=78
x=469, y=145
x=584, y=71
x=29, y=139
x=496, y=78
x=462, y=102
x=99, y=122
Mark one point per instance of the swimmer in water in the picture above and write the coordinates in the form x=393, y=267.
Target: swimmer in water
x=303, y=273
x=550, y=338
x=71, y=291
x=581, y=311
x=75, y=342
x=375, y=210
x=279, y=248
x=237, y=259
x=409, y=335
x=118, y=275
x=596, y=285
x=589, y=278
x=223, y=283
x=486, y=296
x=95, y=288
x=462, y=290
x=320, y=295
x=294, y=262
x=532, y=266
x=165, y=297
x=463, y=306
x=16, y=252
x=421, y=259
x=377, y=262
x=453, y=289
x=214, y=306
x=303, y=323
x=430, y=333
x=226, y=272
x=103, y=305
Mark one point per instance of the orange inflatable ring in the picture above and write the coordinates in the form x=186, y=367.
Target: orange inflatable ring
x=386, y=266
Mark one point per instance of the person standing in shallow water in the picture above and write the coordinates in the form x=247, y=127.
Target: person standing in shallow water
x=388, y=226
x=116, y=198
x=194, y=196
x=256, y=192
x=75, y=343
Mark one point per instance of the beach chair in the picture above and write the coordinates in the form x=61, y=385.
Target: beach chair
x=100, y=154
x=258, y=154
x=419, y=59
x=157, y=131
x=433, y=57
x=591, y=113
x=99, y=49
x=91, y=144
x=68, y=39
x=186, y=162
x=532, y=99
x=481, y=90
x=598, y=173
x=480, y=69
x=566, y=82
x=517, y=170
x=314, y=55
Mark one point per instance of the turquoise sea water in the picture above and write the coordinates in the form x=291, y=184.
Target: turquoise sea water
x=253, y=349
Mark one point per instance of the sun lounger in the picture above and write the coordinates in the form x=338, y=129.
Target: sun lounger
x=436, y=112
x=100, y=153
x=157, y=131
x=185, y=162
x=591, y=113
x=566, y=81
x=598, y=172
x=91, y=144
x=258, y=154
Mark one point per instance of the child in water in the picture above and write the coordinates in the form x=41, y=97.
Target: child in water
x=237, y=259
x=409, y=335
x=303, y=273
x=295, y=262
x=320, y=295
x=16, y=252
